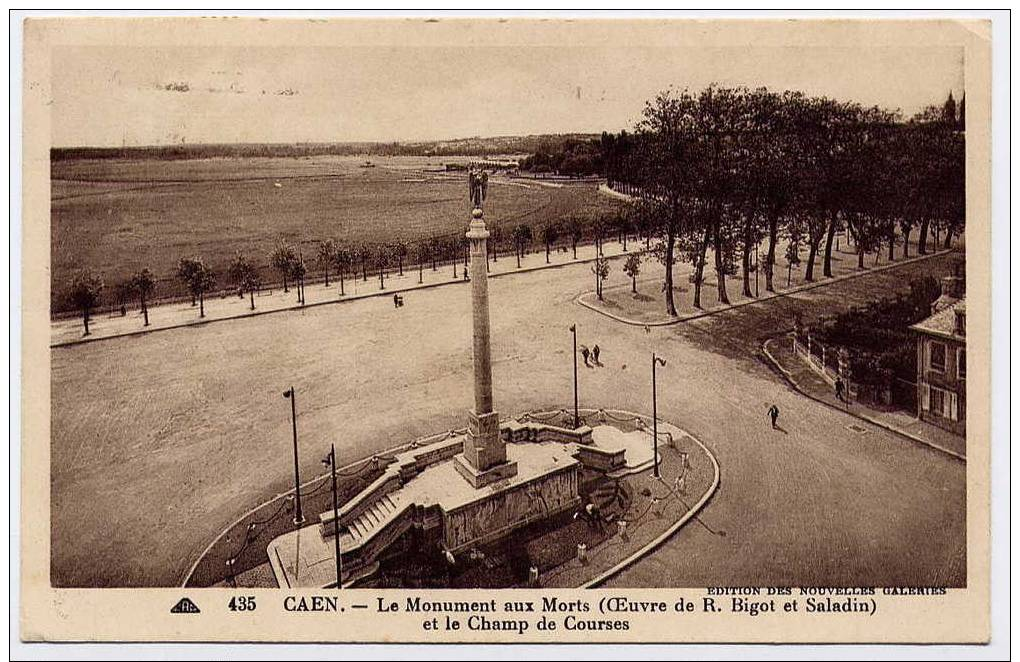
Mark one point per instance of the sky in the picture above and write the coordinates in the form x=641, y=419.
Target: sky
x=113, y=96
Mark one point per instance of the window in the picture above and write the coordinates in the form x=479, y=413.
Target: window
x=961, y=363
x=938, y=401
x=937, y=356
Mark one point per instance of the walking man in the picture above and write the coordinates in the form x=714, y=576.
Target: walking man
x=839, y=389
x=773, y=413
x=584, y=354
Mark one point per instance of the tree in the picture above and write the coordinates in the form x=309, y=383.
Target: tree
x=792, y=251
x=601, y=270
x=521, y=238
x=341, y=261
x=423, y=254
x=283, y=259
x=668, y=173
x=550, y=233
x=363, y=254
x=84, y=294
x=124, y=291
x=327, y=256
x=145, y=283
x=576, y=230
x=245, y=277
x=298, y=271
x=632, y=267
x=382, y=260
x=399, y=249
x=622, y=223
x=433, y=247
x=495, y=241
x=198, y=279
x=598, y=227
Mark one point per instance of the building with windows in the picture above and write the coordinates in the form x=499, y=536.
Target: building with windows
x=942, y=360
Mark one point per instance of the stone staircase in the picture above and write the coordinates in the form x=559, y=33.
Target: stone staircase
x=364, y=526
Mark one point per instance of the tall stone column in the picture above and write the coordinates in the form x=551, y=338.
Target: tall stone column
x=484, y=458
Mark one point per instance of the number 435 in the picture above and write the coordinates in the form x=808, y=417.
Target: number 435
x=242, y=603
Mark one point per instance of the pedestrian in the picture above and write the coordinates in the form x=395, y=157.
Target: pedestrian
x=584, y=354
x=594, y=517
x=773, y=413
x=839, y=389
x=595, y=354
x=465, y=274
x=396, y=304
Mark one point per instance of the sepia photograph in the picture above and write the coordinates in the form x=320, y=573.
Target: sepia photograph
x=503, y=304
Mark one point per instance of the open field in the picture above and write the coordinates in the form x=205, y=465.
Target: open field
x=141, y=484
x=117, y=216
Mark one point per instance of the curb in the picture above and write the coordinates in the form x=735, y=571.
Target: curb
x=668, y=533
x=863, y=417
x=767, y=297
x=353, y=297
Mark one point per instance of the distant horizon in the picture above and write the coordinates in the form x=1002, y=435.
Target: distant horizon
x=331, y=142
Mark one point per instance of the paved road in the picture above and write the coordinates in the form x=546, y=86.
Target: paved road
x=817, y=503
x=160, y=441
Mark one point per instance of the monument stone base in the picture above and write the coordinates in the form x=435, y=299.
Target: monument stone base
x=481, y=478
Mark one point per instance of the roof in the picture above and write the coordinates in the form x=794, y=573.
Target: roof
x=943, y=323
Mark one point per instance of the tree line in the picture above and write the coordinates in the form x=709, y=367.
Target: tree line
x=730, y=168
x=336, y=263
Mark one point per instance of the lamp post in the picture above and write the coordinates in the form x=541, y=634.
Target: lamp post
x=331, y=461
x=655, y=417
x=577, y=420
x=292, y=396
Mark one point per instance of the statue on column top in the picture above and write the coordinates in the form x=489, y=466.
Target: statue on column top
x=478, y=183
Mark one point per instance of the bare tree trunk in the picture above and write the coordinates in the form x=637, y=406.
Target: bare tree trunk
x=829, y=236
x=906, y=243
x=699, y=270
x=667, y=285
x=720, y=274
x=145, y=311
x=922, y=238
x=809, y=271
x=201, y=304
x=745, y=266
x=770, y=259
x=251, y=294
x=85, y=320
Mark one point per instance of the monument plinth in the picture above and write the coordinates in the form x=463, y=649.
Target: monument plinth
x=483, y=460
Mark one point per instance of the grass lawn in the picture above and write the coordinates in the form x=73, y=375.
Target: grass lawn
x=647, y=304
x=117, y=217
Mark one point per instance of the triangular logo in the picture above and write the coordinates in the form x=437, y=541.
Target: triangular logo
x=185, y=606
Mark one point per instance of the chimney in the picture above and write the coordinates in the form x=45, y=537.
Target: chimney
x=961, y=320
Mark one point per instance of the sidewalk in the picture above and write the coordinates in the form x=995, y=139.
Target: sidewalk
x=809, y=383
x=649, y=311
x=68, y=331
